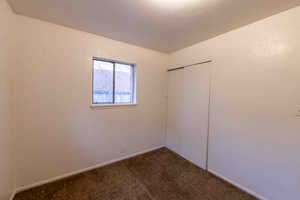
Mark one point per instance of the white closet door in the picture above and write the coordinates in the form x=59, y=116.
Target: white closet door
x=188, y=108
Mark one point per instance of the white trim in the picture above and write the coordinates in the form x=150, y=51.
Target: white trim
x=224, y=178
x=237, y=185
x=111, y=105
x=13, y=195
x=188, y=159
x=27, y=187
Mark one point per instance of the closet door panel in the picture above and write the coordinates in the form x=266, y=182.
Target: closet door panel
x=188, y=107
x=175, y=119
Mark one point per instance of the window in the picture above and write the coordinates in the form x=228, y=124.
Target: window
x=113, y=82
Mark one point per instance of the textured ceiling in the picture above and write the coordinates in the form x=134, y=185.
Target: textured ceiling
x=163, y=25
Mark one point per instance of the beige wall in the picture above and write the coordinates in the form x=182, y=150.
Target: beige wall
x=57, y=131
x=254, y=132
x=6, y=145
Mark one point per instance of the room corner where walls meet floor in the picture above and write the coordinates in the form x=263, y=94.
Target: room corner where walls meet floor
x=156, y=175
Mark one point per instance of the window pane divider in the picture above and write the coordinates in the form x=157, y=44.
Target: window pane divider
x=133, y=84
x=114, y=83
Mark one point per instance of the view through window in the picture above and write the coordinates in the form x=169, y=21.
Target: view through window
x=113, y=82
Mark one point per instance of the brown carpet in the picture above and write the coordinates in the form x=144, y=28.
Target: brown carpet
x=158, y=175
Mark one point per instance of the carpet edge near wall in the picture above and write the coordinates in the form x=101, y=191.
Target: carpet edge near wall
x=57, y=178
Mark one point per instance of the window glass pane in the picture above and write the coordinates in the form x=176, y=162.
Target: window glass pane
x=124, y=84
x=103, y=82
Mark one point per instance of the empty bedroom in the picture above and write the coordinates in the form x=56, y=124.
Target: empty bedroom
x=149, y=100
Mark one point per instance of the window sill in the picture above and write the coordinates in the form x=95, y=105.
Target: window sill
x=111, y=105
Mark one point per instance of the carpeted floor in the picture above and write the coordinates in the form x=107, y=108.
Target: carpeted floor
x=158, y=175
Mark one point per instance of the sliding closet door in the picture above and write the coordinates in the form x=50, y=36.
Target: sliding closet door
x=188, y=108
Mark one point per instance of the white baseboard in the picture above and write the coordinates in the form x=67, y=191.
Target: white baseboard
x=224, y=178
x=183, y=156
x=13, y=195
x=238, y=185
x=27, y=187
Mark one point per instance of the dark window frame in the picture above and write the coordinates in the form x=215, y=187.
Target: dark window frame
x=133, y=81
